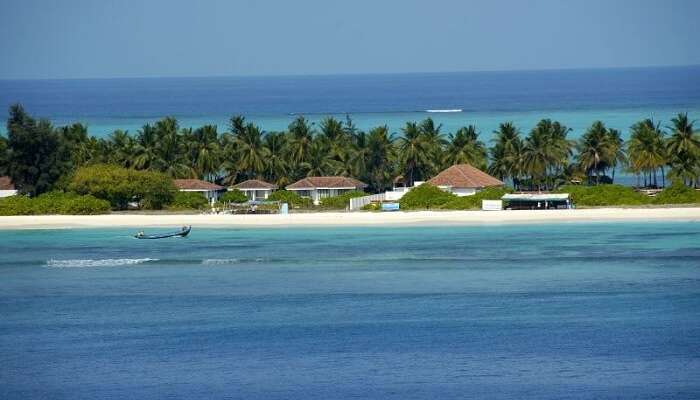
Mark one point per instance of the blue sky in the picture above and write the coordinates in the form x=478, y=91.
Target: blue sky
x=105, y=38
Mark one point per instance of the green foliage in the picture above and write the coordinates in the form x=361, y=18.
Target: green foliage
x=605, y=195
x=36, y=157
x=342, y=201
x=120, y=186
x=16, y=205
x=291, y=198
x=425, y=196
x=474, y=202
x=41, y=158
x=188, y=201
x=53, y=203
x=371, y=207
x=233, y=196
x=3, y=156
x=677, y=193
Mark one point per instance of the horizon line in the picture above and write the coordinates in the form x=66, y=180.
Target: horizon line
x=311, y=75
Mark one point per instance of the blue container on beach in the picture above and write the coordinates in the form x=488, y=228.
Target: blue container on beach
x=390, y=206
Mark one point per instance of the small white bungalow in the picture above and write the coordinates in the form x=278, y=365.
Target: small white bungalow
x=464, y=180
x=319, y=187
x=7, y=188
x=210, y=190
x=255, y=190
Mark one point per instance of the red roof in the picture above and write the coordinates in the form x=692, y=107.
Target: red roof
x=6, y=183
x=464, y=176
x=255, y=184
x=196, y=184
x=327, y=182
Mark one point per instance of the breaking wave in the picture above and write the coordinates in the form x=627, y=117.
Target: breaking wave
x=224, y=261
x=107, y=262
x=449, y=110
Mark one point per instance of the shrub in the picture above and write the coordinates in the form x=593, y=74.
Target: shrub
x=372, y=207
x=53, y=203
x=16, y=205
x=233, y=196
x=605, y=195
x=86, y=205
x=425, y=196
x=291, y=198
x=120, y=186
x=342, y=201
x=474, y=202
x=189, y=201
x=677, y=193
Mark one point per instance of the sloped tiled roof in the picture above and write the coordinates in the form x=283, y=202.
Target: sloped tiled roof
x=464, y=176
x=196, y=184
x=254, y=184
x=313, y=182
x=6, y=183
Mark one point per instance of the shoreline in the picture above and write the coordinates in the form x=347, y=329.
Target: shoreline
x=338, y=219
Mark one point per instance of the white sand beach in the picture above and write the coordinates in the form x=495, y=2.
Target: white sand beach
x=691, y=214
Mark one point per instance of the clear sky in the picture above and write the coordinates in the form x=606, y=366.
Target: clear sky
x=106, y=38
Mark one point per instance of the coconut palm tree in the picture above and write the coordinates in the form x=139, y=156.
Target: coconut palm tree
x=359, y=157
x=301, y=136
x=594, y=151
x=616, y=145
x=434, y=144
x=205, y=152
x=506, y=154
x=413, y=152
x=170, y=152
x=546, y=152
x=465, y=147
x=684, y=149
x=120, y=149
x=318, y=161
x=647, y=151
x=251, y=152
x=275, y=162
x=380, y=160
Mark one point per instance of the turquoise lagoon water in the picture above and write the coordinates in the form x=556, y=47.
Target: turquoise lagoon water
x=584, y=311
x=619, y=97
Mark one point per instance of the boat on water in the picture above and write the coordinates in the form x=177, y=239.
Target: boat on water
x=181, y=233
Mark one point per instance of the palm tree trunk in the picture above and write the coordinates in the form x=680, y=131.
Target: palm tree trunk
x=663, y=176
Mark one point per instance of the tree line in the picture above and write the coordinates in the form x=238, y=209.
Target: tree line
x=40, y=157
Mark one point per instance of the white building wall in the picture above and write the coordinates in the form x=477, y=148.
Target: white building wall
x=7, y=193
x=461, y=192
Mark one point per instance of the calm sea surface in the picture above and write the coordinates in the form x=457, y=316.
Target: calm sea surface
x=540, y=311
x=619, y=97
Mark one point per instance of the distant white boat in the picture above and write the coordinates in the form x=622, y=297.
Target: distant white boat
x=453, y=110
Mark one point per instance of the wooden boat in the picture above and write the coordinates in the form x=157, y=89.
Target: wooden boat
x=181, y=233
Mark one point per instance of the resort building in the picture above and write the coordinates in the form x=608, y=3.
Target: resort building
x=7, y=188
x=210, y=190
x=319, y=187
x=255, y=189
x=464, y=180
x=536, y=201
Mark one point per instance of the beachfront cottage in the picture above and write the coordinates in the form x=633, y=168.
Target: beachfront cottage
x=464, y=180
x=210, y=190
x=255, y=189
x=7, y=188
x=319, y=187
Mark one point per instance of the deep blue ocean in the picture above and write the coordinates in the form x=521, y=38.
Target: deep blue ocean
x=618, y=97
x=576, y=311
